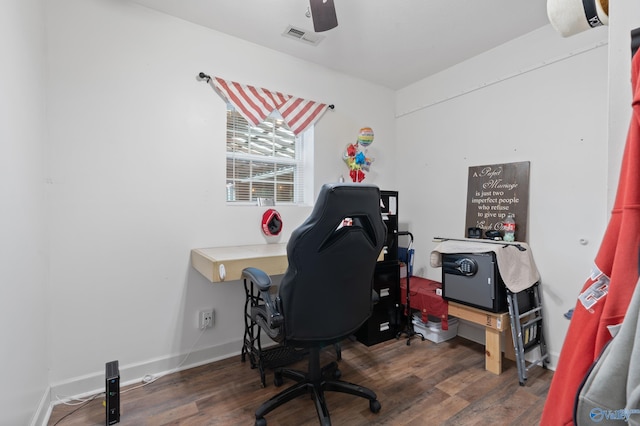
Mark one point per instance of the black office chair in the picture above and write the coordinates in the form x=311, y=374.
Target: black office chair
x=326, y=293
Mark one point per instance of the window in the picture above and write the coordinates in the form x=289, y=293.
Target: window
x=265, y=161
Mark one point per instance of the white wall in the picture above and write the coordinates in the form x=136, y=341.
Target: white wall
x=624, y=16
x=138, y=173
x=539, y=98
x=135, y=169
x=23, y=212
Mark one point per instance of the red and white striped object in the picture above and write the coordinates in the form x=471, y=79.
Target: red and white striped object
x=255, y=104
x=299, y=113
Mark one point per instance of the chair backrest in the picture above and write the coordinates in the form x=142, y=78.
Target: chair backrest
x=326, y=292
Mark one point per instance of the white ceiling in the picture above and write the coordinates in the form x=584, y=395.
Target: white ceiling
x=389, y=42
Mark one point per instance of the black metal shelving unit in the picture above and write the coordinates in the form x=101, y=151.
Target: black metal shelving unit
x=386, y=317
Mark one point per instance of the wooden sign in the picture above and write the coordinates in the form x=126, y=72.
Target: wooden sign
x=493, y=192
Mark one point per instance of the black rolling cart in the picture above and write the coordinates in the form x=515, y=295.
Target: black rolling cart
x=408, y=330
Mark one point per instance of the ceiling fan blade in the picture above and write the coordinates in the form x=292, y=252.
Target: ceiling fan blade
x=324, y=16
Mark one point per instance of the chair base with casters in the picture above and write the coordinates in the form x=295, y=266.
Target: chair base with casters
x=314, y=382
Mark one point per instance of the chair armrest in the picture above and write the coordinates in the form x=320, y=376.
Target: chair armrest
x=262, y=280
x=259, y=278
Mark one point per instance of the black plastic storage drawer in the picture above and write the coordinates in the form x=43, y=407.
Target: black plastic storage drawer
x=385, y=318
x=380, y=327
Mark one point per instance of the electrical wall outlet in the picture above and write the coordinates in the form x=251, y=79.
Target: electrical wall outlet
x=205, y=319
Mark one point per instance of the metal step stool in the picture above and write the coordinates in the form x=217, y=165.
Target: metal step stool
x=525, y=311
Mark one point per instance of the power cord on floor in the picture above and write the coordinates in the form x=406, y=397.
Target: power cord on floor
x=82, y=403
x=146, y=380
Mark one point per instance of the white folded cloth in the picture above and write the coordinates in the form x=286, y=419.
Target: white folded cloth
x=516, y=266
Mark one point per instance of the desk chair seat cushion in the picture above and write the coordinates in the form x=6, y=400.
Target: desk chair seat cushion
x=261, y=316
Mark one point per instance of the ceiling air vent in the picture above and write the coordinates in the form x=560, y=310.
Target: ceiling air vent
x=302, y=35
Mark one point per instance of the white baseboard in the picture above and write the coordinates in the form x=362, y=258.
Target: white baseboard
x=92, y=384
x=43, y=411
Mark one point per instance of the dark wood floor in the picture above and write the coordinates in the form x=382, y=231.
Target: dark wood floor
x=421, y=384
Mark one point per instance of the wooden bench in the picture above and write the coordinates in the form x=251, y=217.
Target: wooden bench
x=497, y=326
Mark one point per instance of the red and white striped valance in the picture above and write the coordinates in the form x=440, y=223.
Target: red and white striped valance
x=255, y=104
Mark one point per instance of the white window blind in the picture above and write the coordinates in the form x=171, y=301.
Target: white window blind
x=263, y=161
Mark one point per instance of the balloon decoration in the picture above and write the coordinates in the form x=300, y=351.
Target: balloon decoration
x=355, y=156
x=365, y=138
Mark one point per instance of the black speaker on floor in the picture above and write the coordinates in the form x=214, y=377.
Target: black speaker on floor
x=112, y=392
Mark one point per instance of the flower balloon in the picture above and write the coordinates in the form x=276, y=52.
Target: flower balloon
x=355, y=155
